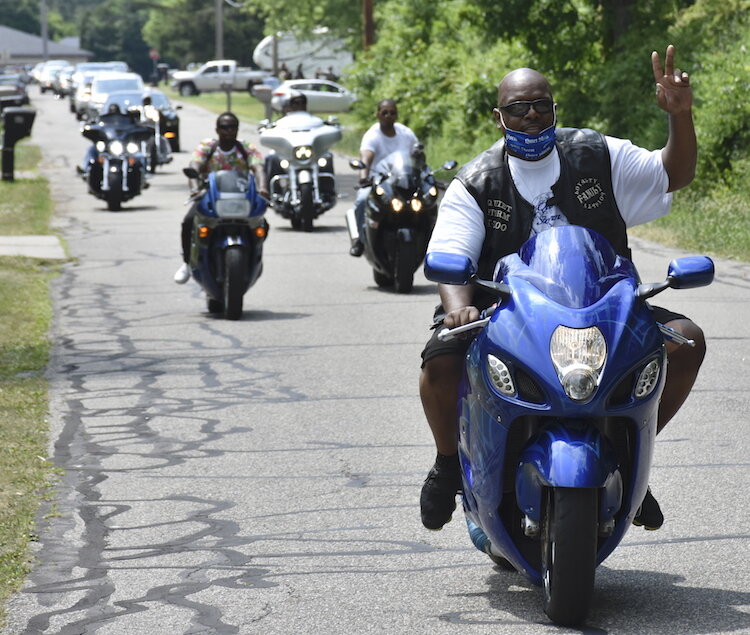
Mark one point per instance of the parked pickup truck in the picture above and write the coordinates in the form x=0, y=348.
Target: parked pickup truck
x=217, y=75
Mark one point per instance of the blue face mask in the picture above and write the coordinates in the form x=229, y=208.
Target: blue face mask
x=530, y=146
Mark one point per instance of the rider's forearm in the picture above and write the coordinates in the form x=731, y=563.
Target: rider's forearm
x=680, y=155
x=455, y=296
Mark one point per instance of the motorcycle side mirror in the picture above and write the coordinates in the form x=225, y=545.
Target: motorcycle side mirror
x=448, y=268
x=690, y=272
x=332, y=120
x=683, y=273
x=178, y=107
x=191, y=173
x=449, y=165
x=356, y=164
x=264, y=123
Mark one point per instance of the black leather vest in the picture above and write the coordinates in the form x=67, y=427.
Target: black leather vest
x=583, y=192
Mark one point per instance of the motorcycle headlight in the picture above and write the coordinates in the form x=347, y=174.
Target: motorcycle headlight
x=397, y=204
x=416, y=205
x=433, y=191
x=322, y=162
x=578, y=356
x=132, y=147
x=500, y=376
x=101, y=146
x=284, y=164
x=303, y=153
x=379, y=190
x=116, y=147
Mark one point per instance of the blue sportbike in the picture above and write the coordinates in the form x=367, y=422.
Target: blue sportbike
x=229, y=229
x=558, y=406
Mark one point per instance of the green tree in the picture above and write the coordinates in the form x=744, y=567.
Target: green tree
x=112, y=31
x=184, y=31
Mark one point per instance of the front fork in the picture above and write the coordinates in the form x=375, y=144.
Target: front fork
x=571, y=455
x=106, y=171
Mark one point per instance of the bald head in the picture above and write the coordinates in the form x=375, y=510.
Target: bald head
x=523, y=84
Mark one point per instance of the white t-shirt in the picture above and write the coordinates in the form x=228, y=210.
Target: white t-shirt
x=382, y=145
x=639, y=180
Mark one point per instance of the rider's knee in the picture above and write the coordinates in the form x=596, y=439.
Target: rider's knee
x=689, y=355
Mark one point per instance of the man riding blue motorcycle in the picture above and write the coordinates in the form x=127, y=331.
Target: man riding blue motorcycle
x=535, y=178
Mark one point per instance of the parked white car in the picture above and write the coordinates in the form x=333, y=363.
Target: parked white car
x=322, y=95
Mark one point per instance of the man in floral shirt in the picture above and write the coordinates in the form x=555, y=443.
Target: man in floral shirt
x=225, y=153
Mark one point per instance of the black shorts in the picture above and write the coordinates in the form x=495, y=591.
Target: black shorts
x=458, y=345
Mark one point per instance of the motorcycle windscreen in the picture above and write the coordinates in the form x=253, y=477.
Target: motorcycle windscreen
x=232, y=201
x=571, y=265
x=401, y=172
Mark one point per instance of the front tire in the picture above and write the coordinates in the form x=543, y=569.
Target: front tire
x=234, y=282
x=405, y=263
x=306, y=207
x=381, y=279
x=569, y=540
x=152, y=156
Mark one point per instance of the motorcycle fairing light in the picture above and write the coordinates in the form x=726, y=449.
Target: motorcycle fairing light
x=397, y=205
x=379, y=190
x=101, y=146
x=284, y=164
x=433, y=191
x=500, y=376
x=132, y=147
x=116, y=147
x=322, y=162
x=416, y=204
x=303, y=153
x=578, y=356
x=648, y=379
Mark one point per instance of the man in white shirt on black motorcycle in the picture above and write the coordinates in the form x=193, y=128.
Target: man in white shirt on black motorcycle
x=380, y=140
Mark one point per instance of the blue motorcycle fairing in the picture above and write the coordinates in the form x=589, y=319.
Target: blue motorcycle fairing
x=495, y=429
x=568, y=454
x=207, y=256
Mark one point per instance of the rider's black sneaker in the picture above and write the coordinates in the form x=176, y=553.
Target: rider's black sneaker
x=649, y=514
x=357, y=249
x=438, y=498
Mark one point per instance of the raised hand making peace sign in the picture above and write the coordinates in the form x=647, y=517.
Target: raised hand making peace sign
x=673, y=92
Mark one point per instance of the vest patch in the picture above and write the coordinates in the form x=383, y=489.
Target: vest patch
x=498, y=214
x=590, y=193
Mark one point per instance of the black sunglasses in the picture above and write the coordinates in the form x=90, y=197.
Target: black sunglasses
x=227, y=126
x=520, y=108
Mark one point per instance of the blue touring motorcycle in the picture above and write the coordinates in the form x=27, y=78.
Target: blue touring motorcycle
x=558, y=406
x=226, y=253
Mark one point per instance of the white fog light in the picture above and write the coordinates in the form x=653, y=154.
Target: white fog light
x=132, y=147
x=322, y=162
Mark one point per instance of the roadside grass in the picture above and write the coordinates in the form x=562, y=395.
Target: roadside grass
x=25, y=317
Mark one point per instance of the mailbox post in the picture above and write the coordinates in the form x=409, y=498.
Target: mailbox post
x=17, y=124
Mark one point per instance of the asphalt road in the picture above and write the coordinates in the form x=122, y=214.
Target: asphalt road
x=262, y=476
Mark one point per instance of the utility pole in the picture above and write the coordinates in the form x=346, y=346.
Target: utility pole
x=219, y=44
x=368, y=26
x=45, y=31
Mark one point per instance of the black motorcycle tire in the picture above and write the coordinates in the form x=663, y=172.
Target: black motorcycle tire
x=153, y=156
x=234, y=279
x=307, y=210
x=569, y=541
x=114, y=201
x=381, y=279
x=404, y=266
x=214, y=306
